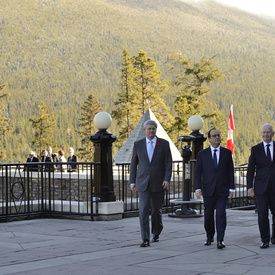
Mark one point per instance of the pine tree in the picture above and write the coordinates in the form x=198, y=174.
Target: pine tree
x=149, y=89
x=44, y=127
x=191, y=82
x=89, y=109
x=141, y=88
x=4, y=122
x=126, y=114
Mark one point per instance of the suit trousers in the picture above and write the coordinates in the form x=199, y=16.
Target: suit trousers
x=154, y=200
x=210, y=204
x=263, y=202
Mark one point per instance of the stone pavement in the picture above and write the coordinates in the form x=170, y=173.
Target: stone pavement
x=59, y=246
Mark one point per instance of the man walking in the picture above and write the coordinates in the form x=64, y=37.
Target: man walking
x=261, y=161
x=214, y=179
x=150, y=174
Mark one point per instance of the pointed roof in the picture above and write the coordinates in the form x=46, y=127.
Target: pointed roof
x=124, y=155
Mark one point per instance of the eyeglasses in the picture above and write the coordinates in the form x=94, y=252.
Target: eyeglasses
x=217, y=135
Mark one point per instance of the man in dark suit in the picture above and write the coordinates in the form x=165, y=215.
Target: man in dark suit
x=32, y=158
x=150, y=174
x=214, y=179
x=72, y=158
x=261, y=161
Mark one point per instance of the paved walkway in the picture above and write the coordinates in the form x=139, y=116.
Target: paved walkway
x=59, y=246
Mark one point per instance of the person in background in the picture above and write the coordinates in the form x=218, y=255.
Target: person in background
x=45, y=158
x=214, y=179
x=262, y=185
x=32, y=158
x=61, y=158
x=53, y=157
x=72, y=158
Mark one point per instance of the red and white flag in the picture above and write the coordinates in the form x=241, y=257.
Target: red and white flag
x=231, y=128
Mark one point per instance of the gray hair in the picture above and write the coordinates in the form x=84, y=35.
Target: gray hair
x=267, y=124
x=149, y=122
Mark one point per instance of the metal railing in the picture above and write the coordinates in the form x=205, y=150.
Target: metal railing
x=175, y=190
x=43, y=190
x=47, y=190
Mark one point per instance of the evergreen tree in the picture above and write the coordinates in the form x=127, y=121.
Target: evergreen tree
x=191, y=82
x=44, y=127
x=149, y=89
x=89, y=109
x=141, y=88
x=4, y=123
x=126, y=114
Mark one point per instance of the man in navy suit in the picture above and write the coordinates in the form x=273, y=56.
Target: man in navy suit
x=72, y=158
x=261, y=161
x=214, y=179
x=150, y=174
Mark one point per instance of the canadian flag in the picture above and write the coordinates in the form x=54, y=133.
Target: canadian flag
x=231, y=128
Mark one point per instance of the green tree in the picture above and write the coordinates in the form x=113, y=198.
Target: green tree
x=89, y=109
x=44, y=127
x=126, y=113
x=141, y=88
x=4, y=122
x=150, y=89
x=192, y=81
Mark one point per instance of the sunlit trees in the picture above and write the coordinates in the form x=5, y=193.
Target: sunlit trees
x=44, y=128
x=4, y=122
x=192, y=80
x=141, y=88
x=89, y=109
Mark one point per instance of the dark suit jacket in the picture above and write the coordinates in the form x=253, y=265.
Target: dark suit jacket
x=48, y=159
x=264, y=170
x=208, y=178
x=46, y=167
x=142, y=172
x=32, y=167
x=74, y=159
x=34, y=159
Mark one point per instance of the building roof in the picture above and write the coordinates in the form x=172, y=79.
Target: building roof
x=124, y=155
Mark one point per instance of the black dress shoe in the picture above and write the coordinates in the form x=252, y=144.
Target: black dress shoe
x=220, y=245
x=145, y=243
x=209, y=241
x=264, y=245
x=273, y=240
x=155, y=238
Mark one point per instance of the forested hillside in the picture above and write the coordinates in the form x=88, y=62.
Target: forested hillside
x=61, y=51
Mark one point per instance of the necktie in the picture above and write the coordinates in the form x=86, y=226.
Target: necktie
x=150, y=150
x=215, y=158
x=268, y=153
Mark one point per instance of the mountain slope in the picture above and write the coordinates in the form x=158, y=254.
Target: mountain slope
x=61, y=51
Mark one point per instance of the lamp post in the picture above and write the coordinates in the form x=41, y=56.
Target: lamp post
x=190, y=151
x=103, y=140
x=195, y=123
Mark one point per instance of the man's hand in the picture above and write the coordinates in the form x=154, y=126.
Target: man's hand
x=198, y=193
x=250, y=192
x=133, y=187
x=165, y=184
x=230, y=195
